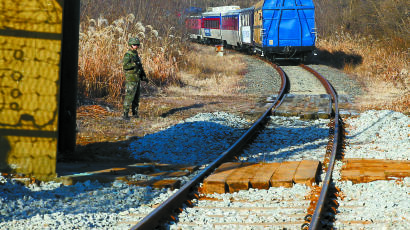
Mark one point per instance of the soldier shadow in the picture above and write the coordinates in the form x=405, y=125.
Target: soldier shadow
x=176, y=110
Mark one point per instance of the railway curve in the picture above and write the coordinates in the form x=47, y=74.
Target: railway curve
x=183, y=195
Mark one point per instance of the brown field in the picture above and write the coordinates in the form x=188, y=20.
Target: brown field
x=383, y=72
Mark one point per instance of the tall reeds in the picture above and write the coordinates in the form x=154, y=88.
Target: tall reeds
x=103, y=45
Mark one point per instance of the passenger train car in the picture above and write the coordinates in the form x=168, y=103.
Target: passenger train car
x=278, y=29
x=220, y=24
x=193, y=25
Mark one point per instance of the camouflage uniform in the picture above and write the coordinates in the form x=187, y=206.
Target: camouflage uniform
x=134, y=74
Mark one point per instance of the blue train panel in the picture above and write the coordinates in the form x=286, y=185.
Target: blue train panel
x=288, y=25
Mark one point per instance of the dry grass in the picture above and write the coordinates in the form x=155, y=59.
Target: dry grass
x=371, y=38
x=215, y=91
x=208, y=74
x=385, y=20
x=382, y=70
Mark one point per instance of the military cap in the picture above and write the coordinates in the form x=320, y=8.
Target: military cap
x=134, y=41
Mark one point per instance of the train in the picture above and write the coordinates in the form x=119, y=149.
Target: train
x=277, y=29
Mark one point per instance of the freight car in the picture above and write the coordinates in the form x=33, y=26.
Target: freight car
x=278, y=29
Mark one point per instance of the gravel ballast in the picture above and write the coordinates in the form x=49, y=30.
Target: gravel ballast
x=262, y=79
x=92, y=205
x=379, y=204
x=282, y=207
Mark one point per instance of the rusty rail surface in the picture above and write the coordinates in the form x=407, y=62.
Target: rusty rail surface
x=165, y=210
x=320, y=205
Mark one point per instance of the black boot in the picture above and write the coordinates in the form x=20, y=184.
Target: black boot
x=135, y=114
x=125, y=116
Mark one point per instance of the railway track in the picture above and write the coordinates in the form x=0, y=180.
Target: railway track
x=256, y=208
x=375, y=137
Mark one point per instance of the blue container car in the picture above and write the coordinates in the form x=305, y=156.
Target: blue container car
x=288, y=29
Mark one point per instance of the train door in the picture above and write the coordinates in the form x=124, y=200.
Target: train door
x=245, y=31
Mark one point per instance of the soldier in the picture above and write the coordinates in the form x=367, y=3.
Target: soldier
x=134, y=74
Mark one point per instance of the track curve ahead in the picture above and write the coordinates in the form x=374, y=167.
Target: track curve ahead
x=183, y=194
x=337, y=127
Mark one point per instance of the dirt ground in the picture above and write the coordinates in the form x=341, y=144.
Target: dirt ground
x=102, y=134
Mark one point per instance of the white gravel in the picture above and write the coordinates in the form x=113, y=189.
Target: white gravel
x=197, y=140
x=244, y=208
x=117, y=206
x=289, y=139
x=380, y=204
x=81, y=206
x=379, y=135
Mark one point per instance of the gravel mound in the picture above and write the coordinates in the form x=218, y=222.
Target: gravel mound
x=380, y=135
x=197, y=140
x=381, y=204
x=261, y=78
x=289, y=139
x=88, y=205
x=342, y=82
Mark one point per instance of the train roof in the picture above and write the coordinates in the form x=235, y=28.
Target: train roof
x=221, y=9
x=246, y=9
x=242, y=10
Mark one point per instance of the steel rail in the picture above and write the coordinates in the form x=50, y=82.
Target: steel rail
x=165, y=210
x=315, y=221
